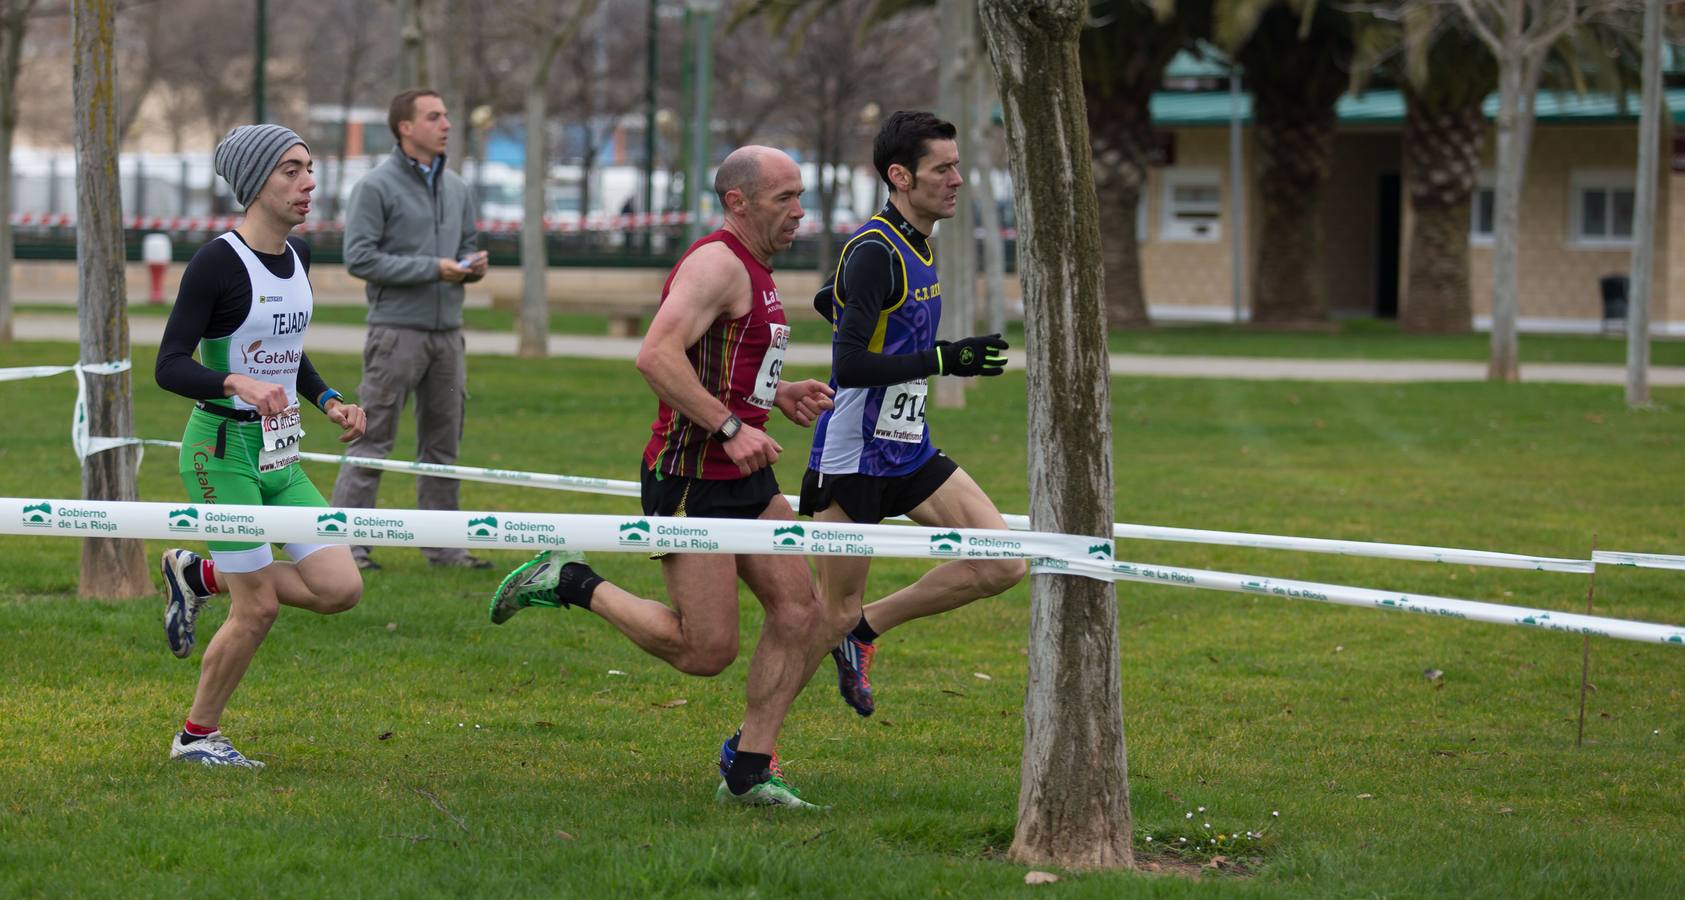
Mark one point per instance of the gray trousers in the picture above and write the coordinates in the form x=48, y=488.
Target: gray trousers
x=399, y=362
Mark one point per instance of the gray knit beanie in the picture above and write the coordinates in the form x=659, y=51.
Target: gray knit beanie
x=248, y=154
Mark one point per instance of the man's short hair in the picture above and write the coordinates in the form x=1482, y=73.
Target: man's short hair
x=739, y=172
x=403, y=108
x=904, y=139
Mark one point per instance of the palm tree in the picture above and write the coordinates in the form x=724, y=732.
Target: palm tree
x=1447, y=75
x=1124, y=51
x=1297, y=55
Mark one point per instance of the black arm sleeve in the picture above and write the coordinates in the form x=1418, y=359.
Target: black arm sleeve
x=869, y=277
x=202, y=285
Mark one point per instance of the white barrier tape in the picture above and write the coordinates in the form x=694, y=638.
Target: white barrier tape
x=80, y=441
x=1015, y=522
x=1377, y=550
x=104, y=368
x=1471, y=610
x=524, y=531
x=1641, y=560
x=1050, y=553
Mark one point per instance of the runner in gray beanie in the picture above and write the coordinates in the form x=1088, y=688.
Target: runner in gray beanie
x=247, y=155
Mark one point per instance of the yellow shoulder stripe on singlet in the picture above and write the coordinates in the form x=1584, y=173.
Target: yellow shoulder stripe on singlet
x=878, y=333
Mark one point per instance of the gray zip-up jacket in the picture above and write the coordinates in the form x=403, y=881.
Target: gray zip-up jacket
x=397, y=229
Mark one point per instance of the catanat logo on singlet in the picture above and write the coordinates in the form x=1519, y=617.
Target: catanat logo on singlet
x=254, y=354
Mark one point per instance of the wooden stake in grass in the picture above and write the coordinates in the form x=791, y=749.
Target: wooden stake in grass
x=1585, y=651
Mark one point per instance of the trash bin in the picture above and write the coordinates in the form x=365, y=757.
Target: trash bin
x=1614, y=289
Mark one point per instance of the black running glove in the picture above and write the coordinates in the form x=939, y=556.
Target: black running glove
x=985, y=355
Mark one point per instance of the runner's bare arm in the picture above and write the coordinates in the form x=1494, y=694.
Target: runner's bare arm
x=709, y=284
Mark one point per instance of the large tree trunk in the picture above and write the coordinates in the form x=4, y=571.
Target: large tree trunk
x=110, y=567
x=412, y=46
x=1295, y=145
x=955, y=243
x=1121, y=124
x=1073, y=803
x=1442, y=151
x=453, y=44
x=533, y=330
x=1297, y=74
x=1517, y=85
x=14, y=22
x=826, y=155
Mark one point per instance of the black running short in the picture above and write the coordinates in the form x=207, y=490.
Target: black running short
x=699, y=498
x=869, y=499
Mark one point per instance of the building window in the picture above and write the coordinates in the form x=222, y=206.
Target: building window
x=1601, y=209
x=1483, y=213
x=1193, y=205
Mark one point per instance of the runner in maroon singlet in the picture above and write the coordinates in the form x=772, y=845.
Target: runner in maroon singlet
x=713, y=357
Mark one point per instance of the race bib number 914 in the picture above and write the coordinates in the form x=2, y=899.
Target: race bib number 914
x=901, y=417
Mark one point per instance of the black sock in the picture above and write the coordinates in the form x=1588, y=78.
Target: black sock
x=195, y=576
x=748, y=770
x=576, y=583
x=188, y=737
x=863, y=632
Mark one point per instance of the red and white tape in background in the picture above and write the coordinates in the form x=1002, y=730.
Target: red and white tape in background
x=552, y=224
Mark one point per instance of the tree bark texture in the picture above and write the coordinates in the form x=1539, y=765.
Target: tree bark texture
x=1124, y=50
x=1297, y=78
x=1073, y=803
x=1121, y=125
x=110, y=567
x=1515, y=121
x=956, y=252
x=533, y=329
x=14, y=22
x=1442, y=152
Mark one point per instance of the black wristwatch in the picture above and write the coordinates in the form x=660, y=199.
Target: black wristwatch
x=728, y=428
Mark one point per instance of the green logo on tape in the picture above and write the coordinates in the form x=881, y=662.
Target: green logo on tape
x=945, y=544
x=789, y=537
x=482, y=529
x=634, y=533
x=186, y=519
x=332, y=523
x=38, y=515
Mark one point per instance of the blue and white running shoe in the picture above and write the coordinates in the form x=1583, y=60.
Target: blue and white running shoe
x=181, y=604
x=213, y=749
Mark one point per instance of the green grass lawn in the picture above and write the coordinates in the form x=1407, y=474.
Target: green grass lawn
x=558, y=778
x=1354, y=339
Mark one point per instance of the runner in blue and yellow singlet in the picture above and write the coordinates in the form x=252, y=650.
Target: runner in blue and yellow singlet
x=872, y=454
x=245, y=304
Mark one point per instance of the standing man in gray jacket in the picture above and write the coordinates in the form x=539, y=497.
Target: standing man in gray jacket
x=409, y=233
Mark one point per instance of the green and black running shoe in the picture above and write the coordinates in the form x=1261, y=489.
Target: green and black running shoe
x=533, y=583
